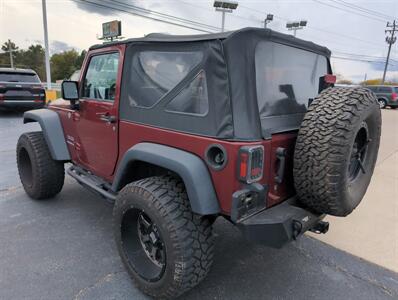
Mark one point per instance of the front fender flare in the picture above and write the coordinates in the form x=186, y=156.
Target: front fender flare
x=52, y=129
x=188, y=166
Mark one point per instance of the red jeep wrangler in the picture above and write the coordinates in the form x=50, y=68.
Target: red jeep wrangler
x=179, y=130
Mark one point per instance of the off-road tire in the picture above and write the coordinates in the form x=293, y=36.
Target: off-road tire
x=324, y=149
x=41, y=176
x=187, y=237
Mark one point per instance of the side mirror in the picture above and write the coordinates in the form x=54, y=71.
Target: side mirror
x=70, y=90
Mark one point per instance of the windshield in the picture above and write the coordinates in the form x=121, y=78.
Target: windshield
x=19, y=77
x=286, y=78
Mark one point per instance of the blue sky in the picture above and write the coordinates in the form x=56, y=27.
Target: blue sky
x=332, y=23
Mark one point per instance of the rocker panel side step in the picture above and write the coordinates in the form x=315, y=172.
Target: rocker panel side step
x=94, y=183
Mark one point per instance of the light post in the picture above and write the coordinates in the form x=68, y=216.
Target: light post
x=268, y=19
x=47, y=52
x=225, y=7
x=296, y=25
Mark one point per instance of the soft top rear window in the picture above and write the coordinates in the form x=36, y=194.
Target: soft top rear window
x=19, y=77
x=286, y=78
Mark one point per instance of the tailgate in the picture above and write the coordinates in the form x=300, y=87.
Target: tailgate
x=20, y=91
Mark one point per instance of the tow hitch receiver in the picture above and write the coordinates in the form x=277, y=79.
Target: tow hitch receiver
x=320, y=227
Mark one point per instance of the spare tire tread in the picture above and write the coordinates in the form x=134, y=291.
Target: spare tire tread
x=322, y=145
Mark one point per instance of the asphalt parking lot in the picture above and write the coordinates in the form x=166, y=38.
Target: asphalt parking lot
x=64, y=249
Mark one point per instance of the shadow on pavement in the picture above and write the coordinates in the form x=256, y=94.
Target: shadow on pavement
x=64, y=249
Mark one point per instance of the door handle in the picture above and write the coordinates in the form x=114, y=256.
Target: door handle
x=281, y=156
x=108, y=118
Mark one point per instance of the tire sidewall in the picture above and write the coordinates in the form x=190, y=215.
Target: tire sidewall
x=353, y=191
x=23, y=143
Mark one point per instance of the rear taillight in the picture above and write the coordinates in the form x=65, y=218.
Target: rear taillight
x=251, y=163
x=394, y=96
x=329, y=78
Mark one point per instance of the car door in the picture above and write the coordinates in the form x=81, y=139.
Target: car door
x=97, y=117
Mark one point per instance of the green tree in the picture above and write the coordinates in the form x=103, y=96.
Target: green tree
x=5, y=56
x=32, y=58
x=63, y=64
x=80, y=59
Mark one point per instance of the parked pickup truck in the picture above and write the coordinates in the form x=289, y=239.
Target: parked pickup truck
x=180, y=130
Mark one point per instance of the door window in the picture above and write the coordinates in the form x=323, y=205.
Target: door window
x=100, y=80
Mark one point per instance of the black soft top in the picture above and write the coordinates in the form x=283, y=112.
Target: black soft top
x=229, y=35
x=229, y=66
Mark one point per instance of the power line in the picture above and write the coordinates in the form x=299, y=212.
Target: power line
x=149, y=11
x=209, y=9
x=339, y=34
x=361, y=60
x=348, y=11
x=368, y=11
x=87, y=2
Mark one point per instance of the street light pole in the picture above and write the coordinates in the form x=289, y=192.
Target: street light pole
x=268, y=19
x=223, y=21
x=296, y=26
x=224, y=7
x=47, y=52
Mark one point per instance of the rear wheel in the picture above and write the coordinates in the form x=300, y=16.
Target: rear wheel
x=382, y=103
x=336, y=150
x=41, y=176
x=165, y=247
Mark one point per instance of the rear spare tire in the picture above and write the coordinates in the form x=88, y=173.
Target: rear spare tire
x=336, y=150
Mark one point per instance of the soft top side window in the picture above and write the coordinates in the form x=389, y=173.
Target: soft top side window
x=192, y=99
x=155, y=73
x=100, y=79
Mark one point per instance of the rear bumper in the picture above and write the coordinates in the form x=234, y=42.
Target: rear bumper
x=21, y=104
x=281, y=224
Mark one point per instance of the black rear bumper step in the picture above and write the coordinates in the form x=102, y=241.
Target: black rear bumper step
x=281, y=224
x=93, y=182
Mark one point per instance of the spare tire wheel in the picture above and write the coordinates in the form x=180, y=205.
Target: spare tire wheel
x=336, y=150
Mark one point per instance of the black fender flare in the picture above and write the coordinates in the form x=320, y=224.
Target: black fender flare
x=188, y=166
x=52, y=129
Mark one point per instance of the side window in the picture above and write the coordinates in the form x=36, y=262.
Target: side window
x=100, y=79
x=192, y=99
x=385, y=89
x=155, y=73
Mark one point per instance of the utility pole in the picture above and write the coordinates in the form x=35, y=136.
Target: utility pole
x=10, y=51
x=47, y=52
x=390, y=41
